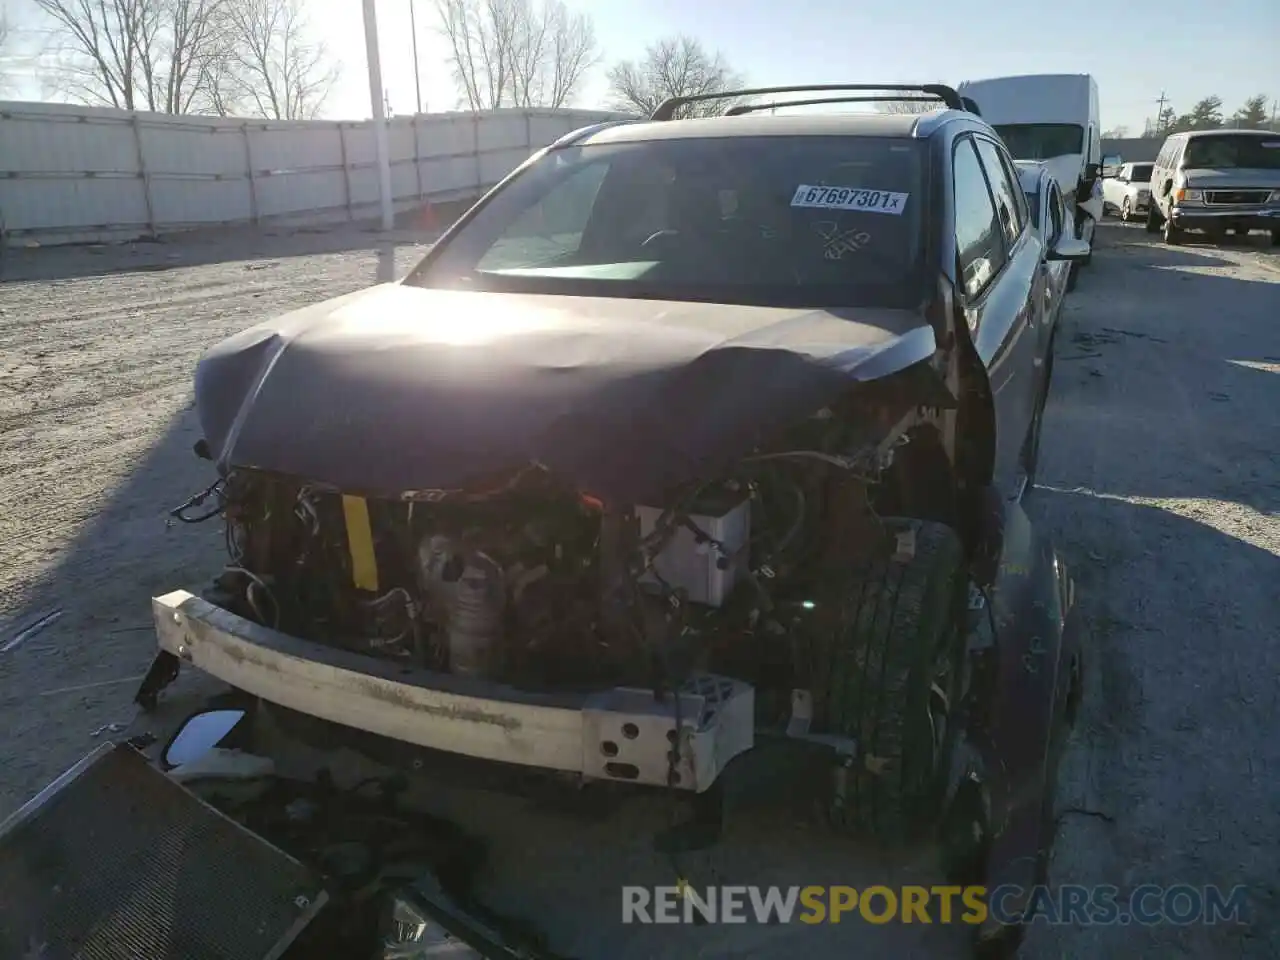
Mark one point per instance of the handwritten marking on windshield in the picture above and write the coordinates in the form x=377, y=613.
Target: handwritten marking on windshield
x=839, y=242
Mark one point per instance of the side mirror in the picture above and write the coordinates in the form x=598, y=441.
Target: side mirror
x=1070, y=249
x=199, y=734
x=1092, y=171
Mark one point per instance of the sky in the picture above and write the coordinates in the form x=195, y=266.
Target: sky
x=1226, y=47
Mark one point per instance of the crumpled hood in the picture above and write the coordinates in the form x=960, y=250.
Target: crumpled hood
x=397, y=390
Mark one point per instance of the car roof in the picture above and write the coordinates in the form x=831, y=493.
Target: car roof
x=914, y=126
x=1219, y=131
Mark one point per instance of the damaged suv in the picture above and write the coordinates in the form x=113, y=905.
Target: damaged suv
x=692, y=435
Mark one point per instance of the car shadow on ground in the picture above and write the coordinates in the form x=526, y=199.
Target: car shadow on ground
x=219, y=245
x=75, y=670
x=1197, y=400
x=1160, y=487
x=1159, y=784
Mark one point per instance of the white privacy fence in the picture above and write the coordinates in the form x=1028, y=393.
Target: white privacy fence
x=74, y=174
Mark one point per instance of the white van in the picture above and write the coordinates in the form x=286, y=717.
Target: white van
x=1054, y=118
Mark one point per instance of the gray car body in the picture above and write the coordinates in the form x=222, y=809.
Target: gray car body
x=348, y=393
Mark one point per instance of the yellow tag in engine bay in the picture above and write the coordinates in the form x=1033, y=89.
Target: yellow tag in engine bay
x=364, y=563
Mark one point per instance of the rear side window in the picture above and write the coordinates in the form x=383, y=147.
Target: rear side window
x=1008, y=210
x=1011, y=172
x=1055, y=214
x=979, y=242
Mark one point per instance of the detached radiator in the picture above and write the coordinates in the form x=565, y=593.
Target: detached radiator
x=114, y=861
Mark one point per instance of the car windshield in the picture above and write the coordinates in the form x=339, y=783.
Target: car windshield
x=1225, y=152
x=1141, y=173
x=775, y=221
x=1041, y=141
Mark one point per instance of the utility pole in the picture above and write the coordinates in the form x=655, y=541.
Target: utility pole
x=1160, y=111
x=417, y=82
x=379, y=119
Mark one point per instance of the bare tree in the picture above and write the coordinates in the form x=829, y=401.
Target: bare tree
x=516, y=52
x=552, y=51
x=673, y=67
x=269, y=63
x=133, y=54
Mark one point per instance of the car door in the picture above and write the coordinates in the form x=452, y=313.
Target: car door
x=1113, y=187
x=1003, y=285
x=1163, y=188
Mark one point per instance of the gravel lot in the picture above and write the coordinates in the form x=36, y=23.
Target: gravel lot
x=1160, y=482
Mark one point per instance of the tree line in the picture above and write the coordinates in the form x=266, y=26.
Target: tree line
x=220, y=57
x=1256, y=113
x=264, y=58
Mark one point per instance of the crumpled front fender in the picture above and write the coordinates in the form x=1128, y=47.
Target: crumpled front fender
x=1036, y=644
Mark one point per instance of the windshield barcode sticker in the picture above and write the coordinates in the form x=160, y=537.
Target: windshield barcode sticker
x=850, y=198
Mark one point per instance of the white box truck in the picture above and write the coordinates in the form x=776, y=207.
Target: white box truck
x=1052, y=117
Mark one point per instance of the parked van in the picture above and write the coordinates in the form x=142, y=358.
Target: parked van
x=1218, y=181
x=1054, y=118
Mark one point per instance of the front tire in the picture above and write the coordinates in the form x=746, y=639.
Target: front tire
x=1153, y=219
x=893, y=681
x=1172, y=234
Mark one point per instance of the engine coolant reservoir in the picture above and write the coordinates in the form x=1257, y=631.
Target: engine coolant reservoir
x=475, y=620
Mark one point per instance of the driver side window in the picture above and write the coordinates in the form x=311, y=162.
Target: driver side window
x=979, y=243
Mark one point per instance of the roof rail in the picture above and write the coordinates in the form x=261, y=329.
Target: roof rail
x=741, y=108
x=573, y=136
x=667, y=109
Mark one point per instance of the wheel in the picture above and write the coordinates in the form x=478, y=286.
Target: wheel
x=894, y=679
x=1126, y=211
x=1171, y=234
x=1153, y=219
x=1275, y=238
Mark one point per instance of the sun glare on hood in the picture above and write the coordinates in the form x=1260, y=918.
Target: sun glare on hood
x=456, y=318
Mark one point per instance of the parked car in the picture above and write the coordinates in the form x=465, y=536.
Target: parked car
x=1128, y=192
x=691, y=437
x=1218, y=181
x=1051, y=218
x=1055, y=118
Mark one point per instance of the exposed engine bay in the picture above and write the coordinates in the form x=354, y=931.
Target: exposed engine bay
x=524, y=581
